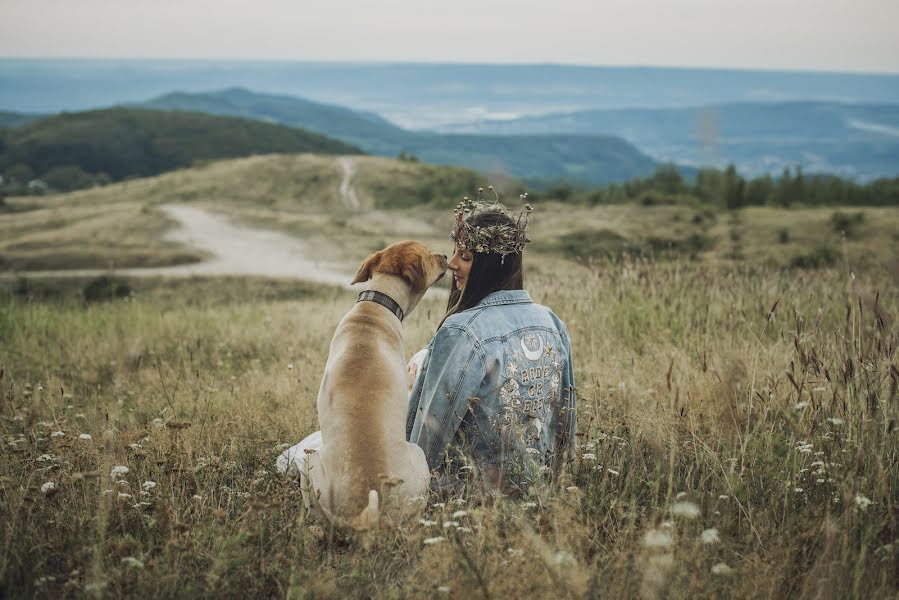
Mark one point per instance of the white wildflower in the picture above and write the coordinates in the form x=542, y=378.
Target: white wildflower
x=58, y=434
x=448, y=524
x=862, y=502
x=443, y=589
x=687, y=510
x=196, y=498
x=427, y=523
x=464, y=529
x=532, y=451
x=48, y=487
x=118, y=470
x=588, y=456
x=680, y=495
x=723, y=497
x=722, y=569
x=529, y=505
x=85, y=436
x=835, y=421
x=710, y=536
x=132, y=562
x=460, y=513
x=656, y=539
x=571, y=488
x=148, y=485
x=290, y=366
x=800, y=405
x=798, y=490
x=124, y=495
x=565, y=559
x=433, y=540
x=612, y=472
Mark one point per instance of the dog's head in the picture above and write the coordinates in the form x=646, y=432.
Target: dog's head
x=409, y=260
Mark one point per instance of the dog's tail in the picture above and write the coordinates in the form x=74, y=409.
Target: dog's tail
x=370, y=515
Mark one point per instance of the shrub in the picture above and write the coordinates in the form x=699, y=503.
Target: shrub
x=847, y=223
x=105, y=288
x=819, y=257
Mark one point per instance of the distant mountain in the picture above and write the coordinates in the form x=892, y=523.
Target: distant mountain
x=118, y=143
x=14, y=119
x=854, y=140
x=580, y=158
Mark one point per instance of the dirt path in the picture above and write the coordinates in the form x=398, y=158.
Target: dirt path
x=233, y=250
x=347, y=191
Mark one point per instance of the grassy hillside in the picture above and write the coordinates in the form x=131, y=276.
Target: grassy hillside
x=71, y=150
x=737, y=440
x=579, y=158
x=119, y=225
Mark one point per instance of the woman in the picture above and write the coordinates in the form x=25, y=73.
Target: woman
x=495, y=396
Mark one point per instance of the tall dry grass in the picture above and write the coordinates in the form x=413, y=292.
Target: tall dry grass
x=737, y=430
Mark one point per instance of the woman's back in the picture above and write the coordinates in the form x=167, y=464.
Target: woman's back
x=497, y=390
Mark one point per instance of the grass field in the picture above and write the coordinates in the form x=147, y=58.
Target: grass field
x=737, y=420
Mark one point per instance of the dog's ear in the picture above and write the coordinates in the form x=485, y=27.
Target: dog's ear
x=414, y=272
x=367, y=268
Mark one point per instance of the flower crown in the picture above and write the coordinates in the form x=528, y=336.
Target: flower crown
x=496, y=239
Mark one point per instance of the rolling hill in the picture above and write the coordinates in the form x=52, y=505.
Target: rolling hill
x=589, y=159
x=72, y=150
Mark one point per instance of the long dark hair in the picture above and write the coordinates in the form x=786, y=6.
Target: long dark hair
x=490, y=272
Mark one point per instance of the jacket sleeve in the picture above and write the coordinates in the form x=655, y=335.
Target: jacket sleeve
x=454, y=372
x=566, y=440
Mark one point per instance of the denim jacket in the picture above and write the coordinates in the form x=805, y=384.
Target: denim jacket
x=497, y=388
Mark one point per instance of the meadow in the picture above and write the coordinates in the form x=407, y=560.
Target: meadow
x=737, y=416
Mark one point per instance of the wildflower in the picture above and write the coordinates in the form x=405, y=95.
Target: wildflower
x=800, y=405
x=118, y=470
x=460, y=513
x=290, y=366
x=722, y=569
x=124, y=496
x=723, y=497
x=57, y=434
x=656, y=539
x=48, y=488
x=85, y=436
x=687, y=510
x=433, y=540
x=612, y=472
x=530, y=505
x=439, y=505
x=835, y=421
x=46, y=458
x=459, y=501
x=565, y=559
x=862, y=502
x=588, y=456
x=464, y=529
x=798, y=490
x=710, y=536
x=132, y=562
x=533, y=451
x=571, y=488
x=148, y=485
x=427, y=523
x=448, y=524
x=443, y=589
x=196, y=498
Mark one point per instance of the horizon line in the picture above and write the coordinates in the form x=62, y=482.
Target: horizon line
x=406, y=62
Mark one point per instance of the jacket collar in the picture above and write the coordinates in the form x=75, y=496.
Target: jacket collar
x=506, y=297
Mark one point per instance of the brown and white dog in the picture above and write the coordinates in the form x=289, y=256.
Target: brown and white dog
x=366, y=472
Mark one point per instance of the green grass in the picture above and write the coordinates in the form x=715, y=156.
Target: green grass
x=772, y=422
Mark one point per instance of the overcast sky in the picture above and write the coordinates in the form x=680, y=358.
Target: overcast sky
x=843, y=35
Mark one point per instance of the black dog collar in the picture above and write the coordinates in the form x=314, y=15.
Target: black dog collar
x=384, y=300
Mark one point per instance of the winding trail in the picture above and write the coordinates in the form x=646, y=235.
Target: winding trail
x=347, y=191
x=233, y=249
